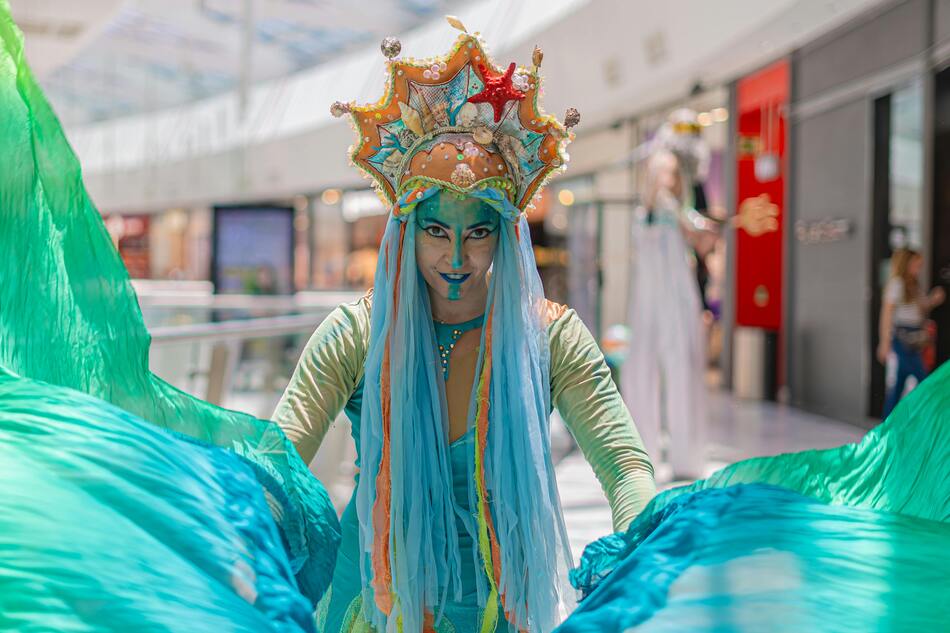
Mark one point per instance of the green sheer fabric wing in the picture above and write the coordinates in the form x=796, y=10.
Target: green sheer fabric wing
x=848, y=539
x=109, y=524
x=900, y=466
x=69, y=315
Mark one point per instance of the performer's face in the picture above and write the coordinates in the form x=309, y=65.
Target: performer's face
x=665, y=174
x=455, y=245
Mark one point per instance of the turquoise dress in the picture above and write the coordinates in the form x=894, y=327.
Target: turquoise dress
x=341, y=610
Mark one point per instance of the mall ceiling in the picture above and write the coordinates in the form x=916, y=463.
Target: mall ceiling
x=151, y=90
x=100, y=59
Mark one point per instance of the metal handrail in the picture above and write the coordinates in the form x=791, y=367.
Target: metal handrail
x=238, y=329
x=300, y=301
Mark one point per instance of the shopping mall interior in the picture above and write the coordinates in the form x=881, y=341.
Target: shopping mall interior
x=209, y=142
x=206, y=141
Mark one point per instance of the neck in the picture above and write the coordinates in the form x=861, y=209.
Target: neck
x=461, y=310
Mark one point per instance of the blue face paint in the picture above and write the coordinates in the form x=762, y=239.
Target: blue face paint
x=457, y=242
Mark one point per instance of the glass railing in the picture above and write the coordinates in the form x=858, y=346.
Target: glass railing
x=239, y=352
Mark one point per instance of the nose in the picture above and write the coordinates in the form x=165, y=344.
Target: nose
x=458, y=255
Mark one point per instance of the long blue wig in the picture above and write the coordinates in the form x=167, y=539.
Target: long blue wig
x=410, y=559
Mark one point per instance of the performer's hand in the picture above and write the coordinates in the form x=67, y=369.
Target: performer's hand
x=883, y=351
x=937, y=296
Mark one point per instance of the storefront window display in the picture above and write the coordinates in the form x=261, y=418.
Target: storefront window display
x=365, y=218
x=130, y=234
x=898, y=198
x=253, y=250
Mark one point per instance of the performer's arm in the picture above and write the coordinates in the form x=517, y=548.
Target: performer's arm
x=588, y=400
x=885, y=326
x=327, y=374
x=934, y=299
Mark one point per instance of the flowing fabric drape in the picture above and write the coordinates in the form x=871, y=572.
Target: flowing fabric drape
x=69, y=316
x=855, y=538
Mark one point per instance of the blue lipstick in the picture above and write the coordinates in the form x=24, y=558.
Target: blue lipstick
x=455, y=278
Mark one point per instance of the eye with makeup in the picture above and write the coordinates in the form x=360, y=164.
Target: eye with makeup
x=434, y=230
x=481, y=232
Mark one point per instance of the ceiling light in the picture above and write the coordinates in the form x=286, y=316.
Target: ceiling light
x=330, y=196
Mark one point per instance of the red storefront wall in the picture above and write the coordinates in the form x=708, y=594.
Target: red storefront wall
x=762, y=100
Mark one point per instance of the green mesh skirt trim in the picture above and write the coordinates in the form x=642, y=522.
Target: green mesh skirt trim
x=354, y=622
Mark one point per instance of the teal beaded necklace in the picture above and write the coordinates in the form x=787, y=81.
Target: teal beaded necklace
x=448, y=334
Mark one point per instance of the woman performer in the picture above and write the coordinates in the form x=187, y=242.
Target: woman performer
x=449, y=368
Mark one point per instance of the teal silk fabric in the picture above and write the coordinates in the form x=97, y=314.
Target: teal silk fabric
x=69, y=318
x=855, y=538
x=109, y=523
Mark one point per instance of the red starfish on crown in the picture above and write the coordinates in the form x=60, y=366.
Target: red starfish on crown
x=498, y=90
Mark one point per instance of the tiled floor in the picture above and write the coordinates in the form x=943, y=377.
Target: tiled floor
x=738, y=430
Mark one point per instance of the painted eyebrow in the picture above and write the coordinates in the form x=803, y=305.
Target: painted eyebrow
x=430, y=222
x=479, y=225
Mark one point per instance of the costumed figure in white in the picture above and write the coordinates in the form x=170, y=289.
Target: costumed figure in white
x=663, y=376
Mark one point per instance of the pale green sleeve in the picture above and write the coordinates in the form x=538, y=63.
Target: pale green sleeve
x=588, y=400
x=327, y=374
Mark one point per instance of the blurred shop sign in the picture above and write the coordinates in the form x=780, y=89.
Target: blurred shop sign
x=823, y=231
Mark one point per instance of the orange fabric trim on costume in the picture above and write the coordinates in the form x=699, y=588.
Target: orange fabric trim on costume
x=397, y=210
x=482, y=426
x=382, y=505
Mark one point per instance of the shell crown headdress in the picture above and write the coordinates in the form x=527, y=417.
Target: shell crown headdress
x=459, y=122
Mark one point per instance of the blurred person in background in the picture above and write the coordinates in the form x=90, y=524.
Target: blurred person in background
x=663, y=379
x=902, y=334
